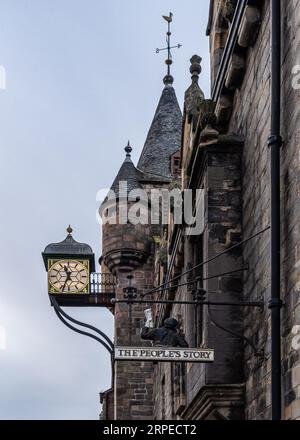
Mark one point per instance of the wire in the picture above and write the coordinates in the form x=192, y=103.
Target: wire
x=230, y=331
x=225, y=273
x=203, y=279
x=155, y=289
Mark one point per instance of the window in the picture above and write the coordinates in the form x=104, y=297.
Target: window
x=195, y=312
x=175, y=164
x=198, y=272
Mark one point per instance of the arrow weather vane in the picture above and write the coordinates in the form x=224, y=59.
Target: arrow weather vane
x=169, y=19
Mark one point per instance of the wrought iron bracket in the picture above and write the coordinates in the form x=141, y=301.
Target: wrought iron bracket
x=130, y=292
x=106, y=342
x=82, y=324
x=199, y=298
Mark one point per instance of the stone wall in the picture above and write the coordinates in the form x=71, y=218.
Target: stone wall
x=251, y=118
x=133, y=380
x=107, y=401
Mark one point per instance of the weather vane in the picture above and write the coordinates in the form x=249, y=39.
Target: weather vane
x=169, y=19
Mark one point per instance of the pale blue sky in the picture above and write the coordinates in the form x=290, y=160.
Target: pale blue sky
x=82, y=79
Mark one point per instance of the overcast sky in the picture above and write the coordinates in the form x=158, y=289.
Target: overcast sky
x=82, y=79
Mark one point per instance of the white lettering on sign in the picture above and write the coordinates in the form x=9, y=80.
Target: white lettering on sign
x=164, y=354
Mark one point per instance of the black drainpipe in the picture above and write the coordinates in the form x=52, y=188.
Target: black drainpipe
x=275, y=143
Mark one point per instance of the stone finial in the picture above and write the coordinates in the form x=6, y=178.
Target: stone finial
x=69, y=230
x=195, y=68
x=194, y=95
x=128, y=150
x=168, y=80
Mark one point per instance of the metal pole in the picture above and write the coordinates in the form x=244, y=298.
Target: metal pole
x=130, y=294
x=169, y=50
x=275, y=142
x=259, y=304
x=130, y=322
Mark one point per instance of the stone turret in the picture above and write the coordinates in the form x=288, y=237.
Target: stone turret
x=126, y=246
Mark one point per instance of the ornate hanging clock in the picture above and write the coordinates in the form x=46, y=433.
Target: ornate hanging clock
x=68, y=276
x=69, y=265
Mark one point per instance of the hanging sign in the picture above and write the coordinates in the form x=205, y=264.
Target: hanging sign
x=164, y=354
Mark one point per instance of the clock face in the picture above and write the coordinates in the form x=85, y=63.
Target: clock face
x=68, y=276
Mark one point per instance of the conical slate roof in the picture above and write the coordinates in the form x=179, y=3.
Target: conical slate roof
x=127, y=173
x=132, y=177
x=164, y=136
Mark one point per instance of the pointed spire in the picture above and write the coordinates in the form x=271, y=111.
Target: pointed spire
x=164, y=136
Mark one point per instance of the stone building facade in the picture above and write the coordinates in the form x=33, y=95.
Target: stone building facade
x=243, y=108
x=223, y=150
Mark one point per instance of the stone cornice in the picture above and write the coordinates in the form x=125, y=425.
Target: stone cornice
x=216, y=401
x=125, y=259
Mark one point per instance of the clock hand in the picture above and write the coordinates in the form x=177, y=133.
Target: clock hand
x=64, y=285
x=67, y=271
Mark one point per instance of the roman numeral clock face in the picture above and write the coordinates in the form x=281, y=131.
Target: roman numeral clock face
x=68, y=276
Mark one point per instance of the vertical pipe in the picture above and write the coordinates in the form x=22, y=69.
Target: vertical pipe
x=275, y=142
x=130, y=323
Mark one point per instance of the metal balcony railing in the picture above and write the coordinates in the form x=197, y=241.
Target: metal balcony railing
x=101, y=283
